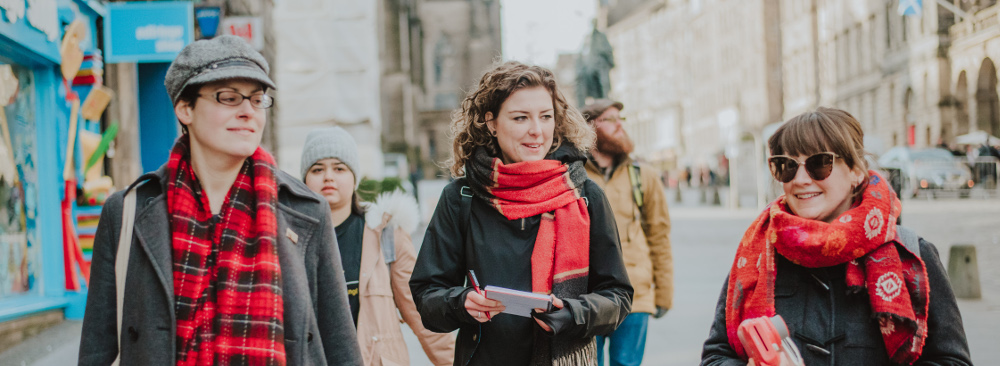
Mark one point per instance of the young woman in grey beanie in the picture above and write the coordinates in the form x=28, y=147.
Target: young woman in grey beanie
x=376, y=251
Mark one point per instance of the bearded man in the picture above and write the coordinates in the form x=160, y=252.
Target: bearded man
x=640, y=206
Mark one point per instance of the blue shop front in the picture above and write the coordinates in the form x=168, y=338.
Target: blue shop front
x=35, y=108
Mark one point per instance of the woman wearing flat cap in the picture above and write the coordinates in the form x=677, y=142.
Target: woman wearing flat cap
x=231, y=260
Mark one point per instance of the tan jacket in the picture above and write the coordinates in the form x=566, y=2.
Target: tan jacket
x=382, y=293
x=645, y=238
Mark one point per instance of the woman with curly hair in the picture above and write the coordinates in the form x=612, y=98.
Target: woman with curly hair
x=523, y=215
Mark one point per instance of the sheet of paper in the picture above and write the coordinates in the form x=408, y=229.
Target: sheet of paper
x=518, y=303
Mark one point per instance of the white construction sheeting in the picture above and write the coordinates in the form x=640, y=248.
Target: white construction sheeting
x=327, y=71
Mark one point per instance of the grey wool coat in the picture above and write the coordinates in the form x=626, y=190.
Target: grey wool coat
x=319, y=329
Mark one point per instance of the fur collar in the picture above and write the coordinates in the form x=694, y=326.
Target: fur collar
x=397, y=207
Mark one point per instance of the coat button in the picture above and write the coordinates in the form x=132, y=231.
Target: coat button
x=309, y=337
x=374, y=339
x=148, y=201
x=474, y=337
x=133, y=334
x=817, y=349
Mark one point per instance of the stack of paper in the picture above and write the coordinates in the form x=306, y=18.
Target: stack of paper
x=518, y=303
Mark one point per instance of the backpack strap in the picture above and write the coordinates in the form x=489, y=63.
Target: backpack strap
x=466, y=221
x=123, y=253
x=635, y=177
x=909, y=239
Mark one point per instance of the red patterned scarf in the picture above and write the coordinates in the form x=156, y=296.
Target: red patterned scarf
x=865, y=238
x=227, y=279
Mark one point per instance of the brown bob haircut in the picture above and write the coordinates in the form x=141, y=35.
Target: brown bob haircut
x=468, y=123
x=823, y=130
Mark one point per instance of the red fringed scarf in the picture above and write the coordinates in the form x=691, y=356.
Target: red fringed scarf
x=227, y=279
x=562, y=247
x=864, y=237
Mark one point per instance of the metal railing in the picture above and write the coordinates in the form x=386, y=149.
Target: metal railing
x=985, y=171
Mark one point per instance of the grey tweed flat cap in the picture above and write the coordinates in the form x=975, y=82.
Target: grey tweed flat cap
x=220, y=58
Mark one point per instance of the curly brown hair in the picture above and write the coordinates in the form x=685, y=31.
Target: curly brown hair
x=468, y=123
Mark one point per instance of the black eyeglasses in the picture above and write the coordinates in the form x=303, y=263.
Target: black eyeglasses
x=231, y=98
x=819, y=166
x=612, y=120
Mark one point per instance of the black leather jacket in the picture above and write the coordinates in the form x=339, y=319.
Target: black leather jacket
x=502, y=257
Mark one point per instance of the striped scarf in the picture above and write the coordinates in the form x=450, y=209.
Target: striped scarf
x=227, y=279
x=560, y=259
x=865, y=238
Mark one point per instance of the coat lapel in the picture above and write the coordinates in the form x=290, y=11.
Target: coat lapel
x=152, y=228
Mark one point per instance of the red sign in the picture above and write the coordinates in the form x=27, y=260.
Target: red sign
x=248, y=28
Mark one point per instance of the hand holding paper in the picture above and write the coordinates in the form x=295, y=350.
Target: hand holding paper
x=558, y=304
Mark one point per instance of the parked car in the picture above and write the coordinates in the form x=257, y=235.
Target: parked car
x=930, y=169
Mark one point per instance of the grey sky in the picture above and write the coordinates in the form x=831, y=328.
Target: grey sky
x=536, y=31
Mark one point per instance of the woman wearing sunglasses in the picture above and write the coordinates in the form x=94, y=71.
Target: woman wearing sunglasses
x=853, y=288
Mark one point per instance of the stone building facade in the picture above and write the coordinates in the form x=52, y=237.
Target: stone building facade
x=711, y=77
x=699, y=79
x=460, y=40
x=890, y=71
x=704, y=68
x=388, y=71
x=975, y=44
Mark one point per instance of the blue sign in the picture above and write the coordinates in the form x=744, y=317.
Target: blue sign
x=910, y=7
x=208, y=20
x=148, y=31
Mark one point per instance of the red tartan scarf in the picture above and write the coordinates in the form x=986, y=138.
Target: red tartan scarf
x=865, y=238
x=227, y=279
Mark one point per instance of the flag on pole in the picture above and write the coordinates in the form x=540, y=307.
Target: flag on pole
x=910, y=7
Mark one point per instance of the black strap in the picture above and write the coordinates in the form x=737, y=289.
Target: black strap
x=635, y=177
x=466, y=219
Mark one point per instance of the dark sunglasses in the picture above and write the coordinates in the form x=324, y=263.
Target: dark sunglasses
x=819, y=166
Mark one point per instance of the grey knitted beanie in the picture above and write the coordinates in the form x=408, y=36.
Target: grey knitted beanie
x=330, y=142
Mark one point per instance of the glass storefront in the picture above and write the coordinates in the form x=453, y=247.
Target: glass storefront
x=19, y=252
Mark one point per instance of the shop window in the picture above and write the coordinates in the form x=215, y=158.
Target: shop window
x=19, y=250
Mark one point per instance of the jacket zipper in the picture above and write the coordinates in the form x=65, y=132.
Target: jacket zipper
x=522, y=224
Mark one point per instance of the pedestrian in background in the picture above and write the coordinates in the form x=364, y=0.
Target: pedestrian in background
x=375, y=249
x=640, y=208
x=523, y=215
x=232, y=261
x=854, y=288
